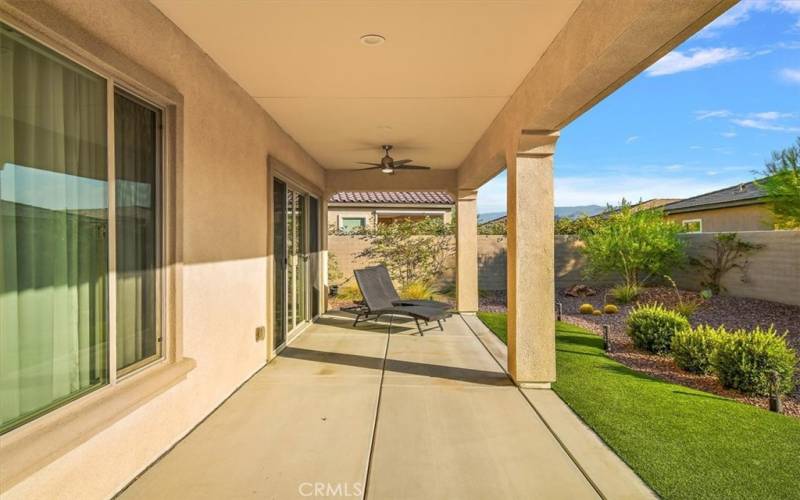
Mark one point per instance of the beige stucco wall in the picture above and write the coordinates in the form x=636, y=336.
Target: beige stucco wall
x=221, y=231
x=745, y=218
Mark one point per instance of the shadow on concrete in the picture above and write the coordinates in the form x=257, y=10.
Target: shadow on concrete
x=468, y=375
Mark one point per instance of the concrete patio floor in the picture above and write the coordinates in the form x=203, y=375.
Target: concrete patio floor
x=358, y=412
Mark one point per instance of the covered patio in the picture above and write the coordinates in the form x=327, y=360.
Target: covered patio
x=382, y=412
x=259, y=111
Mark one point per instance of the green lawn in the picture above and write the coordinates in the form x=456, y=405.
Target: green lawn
x=685, y=444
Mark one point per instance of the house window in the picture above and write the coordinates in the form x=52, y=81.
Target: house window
x=57, y=224
x=692, y=225
x=352, y=223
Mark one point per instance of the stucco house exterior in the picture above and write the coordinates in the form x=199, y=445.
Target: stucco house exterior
x=735, y=208
x=166, y=171
x=347, y=210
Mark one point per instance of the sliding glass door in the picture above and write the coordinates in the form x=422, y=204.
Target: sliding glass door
x=295, y=227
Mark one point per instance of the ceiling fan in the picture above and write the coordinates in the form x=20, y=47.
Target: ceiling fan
x=388, y=165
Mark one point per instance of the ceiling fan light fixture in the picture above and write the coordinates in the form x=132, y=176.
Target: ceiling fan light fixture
x=387, y=170
x=372, y=39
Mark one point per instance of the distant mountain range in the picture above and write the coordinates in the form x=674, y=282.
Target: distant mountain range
x=569, y=212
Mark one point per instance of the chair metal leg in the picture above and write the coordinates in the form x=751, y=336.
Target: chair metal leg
x=419, y=327
x=440, y=325
x=356, y=321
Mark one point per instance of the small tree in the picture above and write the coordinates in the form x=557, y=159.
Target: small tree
x=635, y=244
x=412, y=251
x=782, y=186
x=727, y=252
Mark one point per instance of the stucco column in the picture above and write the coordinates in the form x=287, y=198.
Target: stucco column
x=531, y=320
x=467, y=251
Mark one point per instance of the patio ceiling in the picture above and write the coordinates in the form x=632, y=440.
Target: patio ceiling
x=432, y=89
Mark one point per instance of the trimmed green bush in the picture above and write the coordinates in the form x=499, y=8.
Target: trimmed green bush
x=743, y=360
x=610, y=309
x=693, y=349
x=586, y=309
x=652, y=327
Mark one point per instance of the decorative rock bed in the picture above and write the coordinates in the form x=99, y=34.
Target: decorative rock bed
x=733, y=312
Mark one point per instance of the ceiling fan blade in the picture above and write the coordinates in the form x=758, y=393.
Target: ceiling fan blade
x=412, y=167
x=378, y=167
x=398, y=163
x=368, y=163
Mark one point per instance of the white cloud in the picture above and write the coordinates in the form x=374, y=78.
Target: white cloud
x=763, y=125
x=719, y=113
x=728, y=135
x=791, y=75
x=741, y=13
x=631, y=139
x=674, y=167
x=771, y=115
x=678, y=62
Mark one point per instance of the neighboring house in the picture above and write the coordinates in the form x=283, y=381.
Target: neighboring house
x=349, y=210
x=643, y=205
x=736, y=208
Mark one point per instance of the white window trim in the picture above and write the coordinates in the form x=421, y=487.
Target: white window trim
x=684, y=222
x=341, y=218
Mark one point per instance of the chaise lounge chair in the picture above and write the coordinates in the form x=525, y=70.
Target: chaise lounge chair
x=377, y=302
x=391, y=293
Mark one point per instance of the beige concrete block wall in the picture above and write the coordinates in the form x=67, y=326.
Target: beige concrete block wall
x=222, y=212
x=773, y=273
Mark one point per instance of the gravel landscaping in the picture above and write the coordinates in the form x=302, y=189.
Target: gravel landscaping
x=732, y=312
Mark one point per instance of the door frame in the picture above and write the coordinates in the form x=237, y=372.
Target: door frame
x=277, y=170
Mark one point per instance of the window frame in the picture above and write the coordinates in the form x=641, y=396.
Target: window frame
x=684, y=222
x=121, y=373
x=359, y=217
x=168, y=335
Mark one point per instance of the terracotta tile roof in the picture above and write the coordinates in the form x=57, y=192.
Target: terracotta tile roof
x=393, y=197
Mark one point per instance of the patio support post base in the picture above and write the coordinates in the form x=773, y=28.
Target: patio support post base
x=467, y=250
x=530, y=266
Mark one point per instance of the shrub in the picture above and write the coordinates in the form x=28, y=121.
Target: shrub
x=597, y=312
x=417, y=290
x=727, y=252
x=743, y=360
x=688, y=308
x=586, y=309
x=635, y=244
x=652, y=326
x=410, y=250
x=610, y=309
x=693, y=349
x=625, y=293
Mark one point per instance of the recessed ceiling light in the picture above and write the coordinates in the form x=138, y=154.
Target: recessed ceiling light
x=372, y=40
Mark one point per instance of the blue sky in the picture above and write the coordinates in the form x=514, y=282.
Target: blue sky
x=703, y=117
